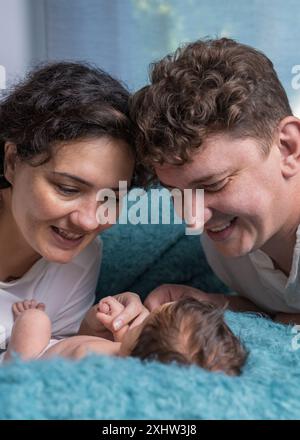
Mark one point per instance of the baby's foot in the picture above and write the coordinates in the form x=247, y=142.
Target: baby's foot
x=19, y=307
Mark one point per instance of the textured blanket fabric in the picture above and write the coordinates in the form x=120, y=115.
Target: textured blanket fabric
x=112, y=388
x=139, y=258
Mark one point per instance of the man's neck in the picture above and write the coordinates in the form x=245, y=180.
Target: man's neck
x=281, y=250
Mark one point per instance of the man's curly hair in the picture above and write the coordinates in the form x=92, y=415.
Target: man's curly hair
x=205, y=88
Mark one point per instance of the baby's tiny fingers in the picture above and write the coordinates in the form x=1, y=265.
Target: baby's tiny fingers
x=103, y=307
x=115, y=307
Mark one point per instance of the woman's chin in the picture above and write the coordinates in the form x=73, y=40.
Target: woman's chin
x=60, y=256
x=61, y=251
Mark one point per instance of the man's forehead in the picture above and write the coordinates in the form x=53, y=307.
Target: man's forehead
x=191, y=173
x=220, y=156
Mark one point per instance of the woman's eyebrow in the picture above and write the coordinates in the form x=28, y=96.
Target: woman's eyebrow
x=71, y=176
x=82, y=181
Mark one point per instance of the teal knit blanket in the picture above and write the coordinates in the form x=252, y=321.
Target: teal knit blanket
x=139, y=258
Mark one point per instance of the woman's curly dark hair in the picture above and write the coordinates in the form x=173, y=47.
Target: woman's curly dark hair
x=204, y=88
x=61, y=102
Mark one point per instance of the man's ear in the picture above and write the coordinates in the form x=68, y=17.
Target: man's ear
x=289, y=145
x=10, y=160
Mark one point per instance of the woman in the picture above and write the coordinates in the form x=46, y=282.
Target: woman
x=64, y=135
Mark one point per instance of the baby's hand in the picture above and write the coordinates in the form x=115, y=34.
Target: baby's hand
x=19, y=307
x=108, y=308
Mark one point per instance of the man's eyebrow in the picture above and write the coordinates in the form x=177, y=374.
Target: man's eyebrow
x=199, y=181
x=210, y=177
x=79, y=180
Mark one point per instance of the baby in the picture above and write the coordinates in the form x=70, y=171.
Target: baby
x=186, y=331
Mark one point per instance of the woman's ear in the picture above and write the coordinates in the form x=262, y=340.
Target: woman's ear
x=289, y=146
x=10, y=159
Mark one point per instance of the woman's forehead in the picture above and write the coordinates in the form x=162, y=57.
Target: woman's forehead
x=92, y=161
x=78, y=149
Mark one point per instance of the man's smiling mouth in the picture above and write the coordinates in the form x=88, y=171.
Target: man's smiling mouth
x=222, y=231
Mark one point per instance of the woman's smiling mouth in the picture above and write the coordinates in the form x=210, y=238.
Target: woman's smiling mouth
x=65, y=238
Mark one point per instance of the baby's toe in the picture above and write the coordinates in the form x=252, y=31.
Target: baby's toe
x=33, y=304
x=16, y=310
x=41, y=306
x=26, y=304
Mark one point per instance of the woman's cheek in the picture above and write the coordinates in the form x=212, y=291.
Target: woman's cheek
x=47, y=204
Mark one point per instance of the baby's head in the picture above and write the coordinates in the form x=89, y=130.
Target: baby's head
x=188, y=332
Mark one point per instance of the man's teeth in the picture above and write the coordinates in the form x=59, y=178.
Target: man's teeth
x=220, y=228
x=67, y=235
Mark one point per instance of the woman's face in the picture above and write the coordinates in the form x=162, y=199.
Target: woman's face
x=54, y=205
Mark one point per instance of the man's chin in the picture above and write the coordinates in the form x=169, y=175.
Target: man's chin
x=234, y=251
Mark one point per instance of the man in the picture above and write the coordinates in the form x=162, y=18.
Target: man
x=215, y=116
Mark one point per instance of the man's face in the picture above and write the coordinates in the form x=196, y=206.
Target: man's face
x=245, y=194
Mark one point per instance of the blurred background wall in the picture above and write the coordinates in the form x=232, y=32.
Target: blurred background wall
x=124, y=36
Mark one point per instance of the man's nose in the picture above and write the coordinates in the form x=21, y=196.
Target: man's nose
x=196, y=225
x=201, y=213
x=207, y=214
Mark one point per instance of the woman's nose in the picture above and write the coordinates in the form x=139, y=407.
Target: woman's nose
x=85, y=217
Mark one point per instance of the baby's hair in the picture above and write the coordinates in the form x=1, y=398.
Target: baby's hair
x=191, y=332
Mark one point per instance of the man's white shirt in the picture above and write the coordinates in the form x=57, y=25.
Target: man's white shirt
x=254, y=276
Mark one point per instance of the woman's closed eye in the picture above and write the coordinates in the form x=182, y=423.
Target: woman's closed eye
x=67, y=190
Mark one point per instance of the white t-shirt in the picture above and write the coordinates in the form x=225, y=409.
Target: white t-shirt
x=67, y=290
x=255, y=277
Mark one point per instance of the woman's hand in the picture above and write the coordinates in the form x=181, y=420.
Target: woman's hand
x=91, y=325
x=132, y=314
x=174, y=292
x=108, y=309
x=134, y=311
